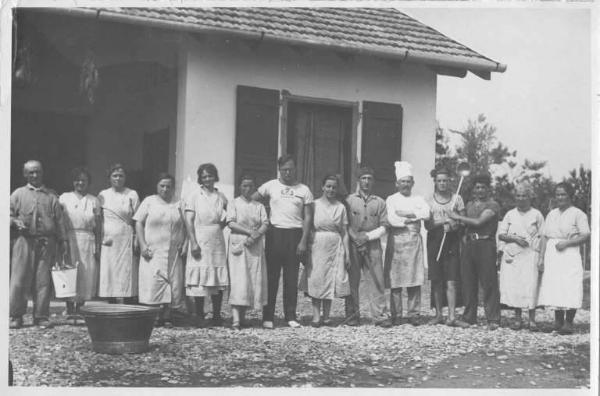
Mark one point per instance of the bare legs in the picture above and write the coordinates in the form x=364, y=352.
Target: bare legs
x=316, y=305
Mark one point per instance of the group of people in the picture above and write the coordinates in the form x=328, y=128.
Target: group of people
x=161, y=251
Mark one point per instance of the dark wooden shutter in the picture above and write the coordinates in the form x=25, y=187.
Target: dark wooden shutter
x=381, y=143
x=256, y=133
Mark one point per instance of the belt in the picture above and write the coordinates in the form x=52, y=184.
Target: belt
x=476, y=237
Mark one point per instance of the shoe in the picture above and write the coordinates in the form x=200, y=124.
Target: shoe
x=15, y=323
x=492, y=326
x=352, y=322
x=414, y=320
x=533, y=327
x=327, y=322
x=267, y=324
x=557, y=326
x=293, y=324
x=385, y=323
x=517, y=325
x=436, y=320
x=315, y=324
x=168, y=324
x=216, y=321
x=236, y=326
x=566, y=329
x=44, y=324
x=457, y=323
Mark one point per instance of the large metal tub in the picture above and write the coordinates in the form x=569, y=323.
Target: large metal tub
x=119, y=328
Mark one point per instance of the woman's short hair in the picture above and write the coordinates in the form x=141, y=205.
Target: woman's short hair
x=165, y=176
x=209, y=168
x=442, y=170
x=246, y=176
x=115, y=167
x=526, y=188
x=284, y=159
x=78, y=171
x=568, y=189
x=331, y=177
x=482, y=178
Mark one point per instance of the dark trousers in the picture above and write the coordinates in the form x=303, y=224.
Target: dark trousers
x=478, y=267
x=31, y=261
x=281, y=245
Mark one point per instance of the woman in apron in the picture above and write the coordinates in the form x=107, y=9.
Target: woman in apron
x=248, y=222
x=118, y=265
x=565, y=230
x=519, y=242
x=326, y=275
x=161, y=235
x=206, y=267
x=82, y=221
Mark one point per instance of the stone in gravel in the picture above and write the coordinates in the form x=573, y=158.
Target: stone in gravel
x=520, y=370
x=502, y=357
x=532, y=383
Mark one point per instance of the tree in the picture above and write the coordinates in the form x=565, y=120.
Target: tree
x=479, y=147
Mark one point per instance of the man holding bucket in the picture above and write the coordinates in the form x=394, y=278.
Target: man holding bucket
x=36, y=223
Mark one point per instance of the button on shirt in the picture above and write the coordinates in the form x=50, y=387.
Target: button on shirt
x=286, y=202
x=366, y=213
x=39, y=209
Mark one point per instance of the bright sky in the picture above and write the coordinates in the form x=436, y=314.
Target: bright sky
x=541, y=105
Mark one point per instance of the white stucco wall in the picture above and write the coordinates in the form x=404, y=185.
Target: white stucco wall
x=211, y=68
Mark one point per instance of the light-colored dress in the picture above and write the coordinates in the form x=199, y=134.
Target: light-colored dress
x=247, y=266
x=207, y=275
x=562, y=280
x=326, y=276
x=404, y=259
x=118, y=266
x=80, y=223
x=519, y=276
x=161, y=277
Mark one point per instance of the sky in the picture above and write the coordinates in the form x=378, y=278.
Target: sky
x=541, y=105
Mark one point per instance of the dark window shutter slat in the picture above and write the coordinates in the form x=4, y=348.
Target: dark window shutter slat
x=381, y=143
x=257, y=130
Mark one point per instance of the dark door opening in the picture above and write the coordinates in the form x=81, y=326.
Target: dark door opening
x=320, y=138
x=155, y=159
x=57, y=140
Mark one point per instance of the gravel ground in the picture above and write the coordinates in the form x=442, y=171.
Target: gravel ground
x=341, y=356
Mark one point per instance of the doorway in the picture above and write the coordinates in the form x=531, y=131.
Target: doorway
x=319, y=136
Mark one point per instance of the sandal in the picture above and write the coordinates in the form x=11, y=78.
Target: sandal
x=327, y=322
x=315, y=324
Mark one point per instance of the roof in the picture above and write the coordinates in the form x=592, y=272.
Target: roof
x=385, y=32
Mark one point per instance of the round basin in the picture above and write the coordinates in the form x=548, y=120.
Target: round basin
x=119, y=328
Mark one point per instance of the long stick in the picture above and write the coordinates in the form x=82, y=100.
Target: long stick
x=451, y=208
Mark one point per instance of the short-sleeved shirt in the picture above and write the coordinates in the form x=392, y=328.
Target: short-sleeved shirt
x=286, y=202
x=366, y=213
x=474, y=210
x=39, y=209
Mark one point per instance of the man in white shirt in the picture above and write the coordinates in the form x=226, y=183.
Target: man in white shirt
x=404, y=261
x=287, y=239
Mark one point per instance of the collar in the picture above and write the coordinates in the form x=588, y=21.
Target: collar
x=42, y=188
x=359, y=194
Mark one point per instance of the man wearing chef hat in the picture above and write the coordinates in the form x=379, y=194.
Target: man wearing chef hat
x=404, y=262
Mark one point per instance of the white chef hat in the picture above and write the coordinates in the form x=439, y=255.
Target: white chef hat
x=403, y=169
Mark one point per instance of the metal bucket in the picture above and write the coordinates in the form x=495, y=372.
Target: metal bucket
x=119, y=328
x=65, y=282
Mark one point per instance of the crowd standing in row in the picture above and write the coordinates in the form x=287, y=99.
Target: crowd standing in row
x=338, y=240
